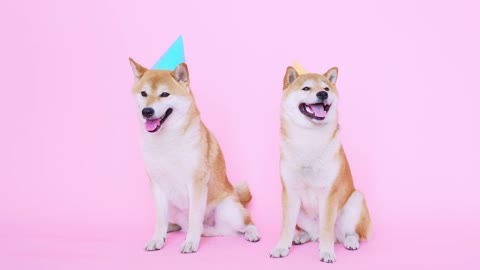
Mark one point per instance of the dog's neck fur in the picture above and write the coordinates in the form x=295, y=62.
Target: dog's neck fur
x=317, y=137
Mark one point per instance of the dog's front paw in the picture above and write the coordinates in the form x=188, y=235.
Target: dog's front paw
x=154, y=244
x=280, y=251
x=328, y=257
x=189, y=246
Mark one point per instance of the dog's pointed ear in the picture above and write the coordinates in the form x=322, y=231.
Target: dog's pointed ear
x=181, y=74
x=332, y=75
x=290, y=76
x=137, y=69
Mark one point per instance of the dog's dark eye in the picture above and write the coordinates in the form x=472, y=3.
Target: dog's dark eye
x=306, y=88
x=326, y=89
x=164, y=94
x=144, y=93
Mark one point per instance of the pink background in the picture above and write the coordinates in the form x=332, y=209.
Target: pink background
x=73, y=191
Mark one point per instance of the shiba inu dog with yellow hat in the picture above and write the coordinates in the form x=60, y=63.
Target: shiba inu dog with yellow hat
x=319, y=200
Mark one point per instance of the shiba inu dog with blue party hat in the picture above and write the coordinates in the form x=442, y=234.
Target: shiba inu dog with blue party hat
x=185, y=163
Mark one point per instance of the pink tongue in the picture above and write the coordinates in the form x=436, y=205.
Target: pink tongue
x=318, y=110
x=151, y=125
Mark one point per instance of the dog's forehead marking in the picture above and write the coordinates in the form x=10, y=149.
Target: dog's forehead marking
x=313, y=83
x=161, y=88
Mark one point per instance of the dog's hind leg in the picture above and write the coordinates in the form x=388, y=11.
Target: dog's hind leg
x=353, y=222
x=307, y=229
x=231, y=218
x=172, y=227
x=249, y=229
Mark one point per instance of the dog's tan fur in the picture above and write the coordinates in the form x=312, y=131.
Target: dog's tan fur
x=208, y=187
x=316, y=179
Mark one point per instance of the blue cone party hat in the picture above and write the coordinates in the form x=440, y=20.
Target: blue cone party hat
x=172, y=57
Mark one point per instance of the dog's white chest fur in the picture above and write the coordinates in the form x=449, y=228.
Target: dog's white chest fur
x=170, y=162
x=309, y=165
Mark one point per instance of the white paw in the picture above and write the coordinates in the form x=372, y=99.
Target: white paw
x=189, y=246
x=328, y=257
x=154, y=244
x=251, y=234
x=351, y=242
x=301, y=238
x=280, y=251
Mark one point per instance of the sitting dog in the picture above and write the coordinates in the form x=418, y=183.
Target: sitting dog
x=185, y=164
x=319, y=198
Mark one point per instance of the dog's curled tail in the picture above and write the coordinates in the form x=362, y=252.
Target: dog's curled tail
x=243, y=193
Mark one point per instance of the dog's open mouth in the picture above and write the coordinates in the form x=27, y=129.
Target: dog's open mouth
x=152, y=125
x=316, y=111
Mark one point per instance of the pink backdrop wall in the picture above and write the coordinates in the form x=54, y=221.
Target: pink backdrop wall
x=73, y=192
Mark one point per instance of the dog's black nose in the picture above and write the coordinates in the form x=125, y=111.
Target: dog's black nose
x=322, y=95
x=147, y=112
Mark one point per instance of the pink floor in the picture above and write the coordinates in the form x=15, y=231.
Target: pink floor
x=400, y=247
